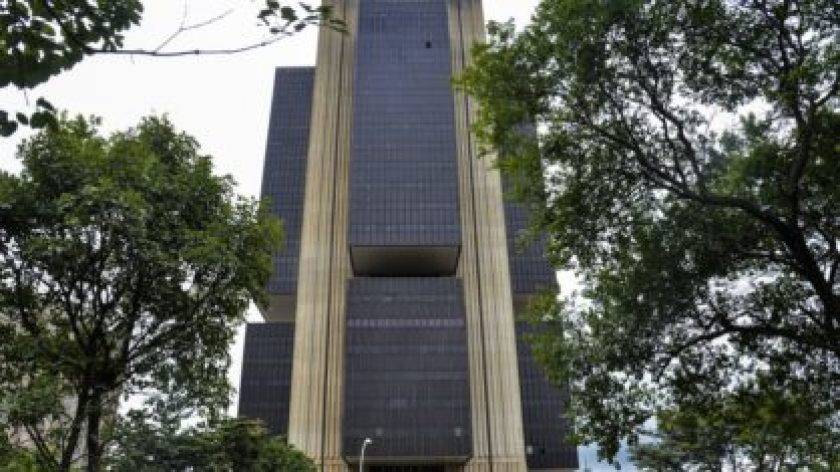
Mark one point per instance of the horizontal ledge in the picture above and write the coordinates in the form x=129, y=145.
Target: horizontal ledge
x=405, y=261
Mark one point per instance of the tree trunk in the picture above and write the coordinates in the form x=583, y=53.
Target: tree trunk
x=72, y=444
x=94, y=444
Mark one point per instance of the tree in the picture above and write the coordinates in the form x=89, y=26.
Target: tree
x=753, y=431
x=42, y=38
x=686, y=171
x=232, y=445
x=125, y=268
x=13, y=458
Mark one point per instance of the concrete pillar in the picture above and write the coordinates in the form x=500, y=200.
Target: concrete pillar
x=317, y=372
x=496, y=404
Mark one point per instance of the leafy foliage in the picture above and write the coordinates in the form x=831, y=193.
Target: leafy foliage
x=43, y=38
x=686, y=170
x=125, y=267
x=233, y=445
x=14, y=458
x=283, y=19
x=766, y=430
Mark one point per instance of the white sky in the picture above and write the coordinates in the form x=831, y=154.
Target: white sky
x=223, y=101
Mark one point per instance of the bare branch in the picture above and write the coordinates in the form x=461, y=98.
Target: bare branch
x=194, y=52
x=184, y=27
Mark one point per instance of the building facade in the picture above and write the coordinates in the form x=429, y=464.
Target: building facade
x=392, y=313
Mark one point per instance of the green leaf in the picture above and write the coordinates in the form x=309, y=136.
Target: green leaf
x=42, y=119
x=7, y=127
x=43, y=103
x=289, y=14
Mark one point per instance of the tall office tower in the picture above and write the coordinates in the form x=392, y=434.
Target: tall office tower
x=392, y=312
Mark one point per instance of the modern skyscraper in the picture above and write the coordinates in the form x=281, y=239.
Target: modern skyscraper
x=392, y=306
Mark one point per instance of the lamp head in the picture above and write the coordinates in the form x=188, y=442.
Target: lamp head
x=368, y=441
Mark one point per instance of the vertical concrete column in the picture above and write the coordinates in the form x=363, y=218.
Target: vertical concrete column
x=497, y=410
x=317, y=370
x=467, y=266
x=333, y=404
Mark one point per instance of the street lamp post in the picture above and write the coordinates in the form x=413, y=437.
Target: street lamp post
x=365, y=444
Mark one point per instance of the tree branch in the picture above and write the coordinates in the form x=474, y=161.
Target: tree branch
x=678, y=350
x=775, y=332
x=184, y=27
x=662, y=112
x=41, y=445
x=193, y=52
x=72, y=442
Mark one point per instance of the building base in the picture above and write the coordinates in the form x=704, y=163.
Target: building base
x=335, y=465
x=511, y=464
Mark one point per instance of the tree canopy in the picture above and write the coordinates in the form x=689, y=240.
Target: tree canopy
x=232, y=445
x=686, y=171
x=125, y=268
x=43, y=38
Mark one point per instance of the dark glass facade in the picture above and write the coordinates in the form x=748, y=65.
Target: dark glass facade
x=406, y=371
x=529, y=271
x=404, y=174
x=546, y=430
x=406, y=374
x=284, y=172
x=267, y=361
x=267, y=375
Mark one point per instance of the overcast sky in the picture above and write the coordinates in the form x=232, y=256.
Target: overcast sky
x=223, y=101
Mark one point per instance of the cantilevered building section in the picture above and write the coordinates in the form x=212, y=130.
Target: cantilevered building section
x=392, y=312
